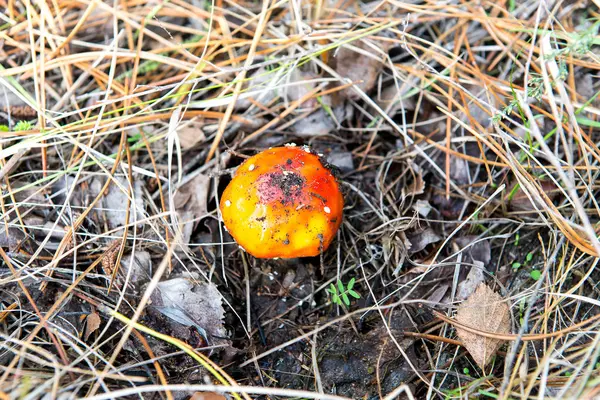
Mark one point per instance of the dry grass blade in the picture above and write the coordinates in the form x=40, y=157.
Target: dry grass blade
x=453, y=126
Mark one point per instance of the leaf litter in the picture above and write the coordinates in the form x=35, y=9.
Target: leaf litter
x=190, y=303
x=360, y=63
x=461, y=93
x=487, y=311
x=190, y=203
x=92, y=323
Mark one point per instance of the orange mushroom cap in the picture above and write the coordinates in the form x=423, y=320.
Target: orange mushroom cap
x=284, y=203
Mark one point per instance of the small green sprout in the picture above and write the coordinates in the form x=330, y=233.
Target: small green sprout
x=535, y=274
x=528, y=258
x=4, y=128
x=466, y=371
x=23, y=126
x=339, y=294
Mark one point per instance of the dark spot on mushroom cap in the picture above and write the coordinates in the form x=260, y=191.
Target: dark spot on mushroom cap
x=289, y=161
x=284, y=188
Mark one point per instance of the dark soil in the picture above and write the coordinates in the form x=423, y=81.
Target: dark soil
x=285, y=187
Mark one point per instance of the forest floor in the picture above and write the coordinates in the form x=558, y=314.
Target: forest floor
x=465, y=139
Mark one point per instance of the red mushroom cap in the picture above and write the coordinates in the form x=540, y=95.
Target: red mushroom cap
x=283, y=202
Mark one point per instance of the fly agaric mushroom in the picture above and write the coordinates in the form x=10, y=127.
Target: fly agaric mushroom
x=283, y=202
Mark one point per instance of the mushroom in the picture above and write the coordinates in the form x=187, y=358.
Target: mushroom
x=283, y=203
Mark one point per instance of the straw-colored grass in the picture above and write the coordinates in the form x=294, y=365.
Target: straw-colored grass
x=494, y=123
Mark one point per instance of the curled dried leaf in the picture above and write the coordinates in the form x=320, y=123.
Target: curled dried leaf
x=190, y=203
x=92, y=324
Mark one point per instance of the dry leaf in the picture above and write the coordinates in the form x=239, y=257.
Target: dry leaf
x=41, y=227
x=113, y=205
x=190, y=203
x=361, y=64
x=438, y=294
x=474, y=249
x=342, y=160
x=488, y=311
x=92, y=324
x=139, y=269
x=417, y=186
x=115, y=202
x=191, y=304
x=422, y=207
x=478, y=105
x=13, y=105
x=12, y=238
x=459, y=171
x=474, y=279
x=393, y=98
x=421, y=239
x=207, y=396
x=520, y=201
x=190, y=133
x=265, y=86
x=322, y=122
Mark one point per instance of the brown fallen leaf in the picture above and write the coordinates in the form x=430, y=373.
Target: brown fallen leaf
x=207, y=396
x=520, y=201
x=15, y=106
x=361, y=64
x=343, y=160
x=109, y=258
x=421, y=239
x=417, y=186
x=138, y=267
x=190, y=132
x=190, y=203
x=488, y=311
x=474, y=250
x=394, y=98
x=92, y=324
